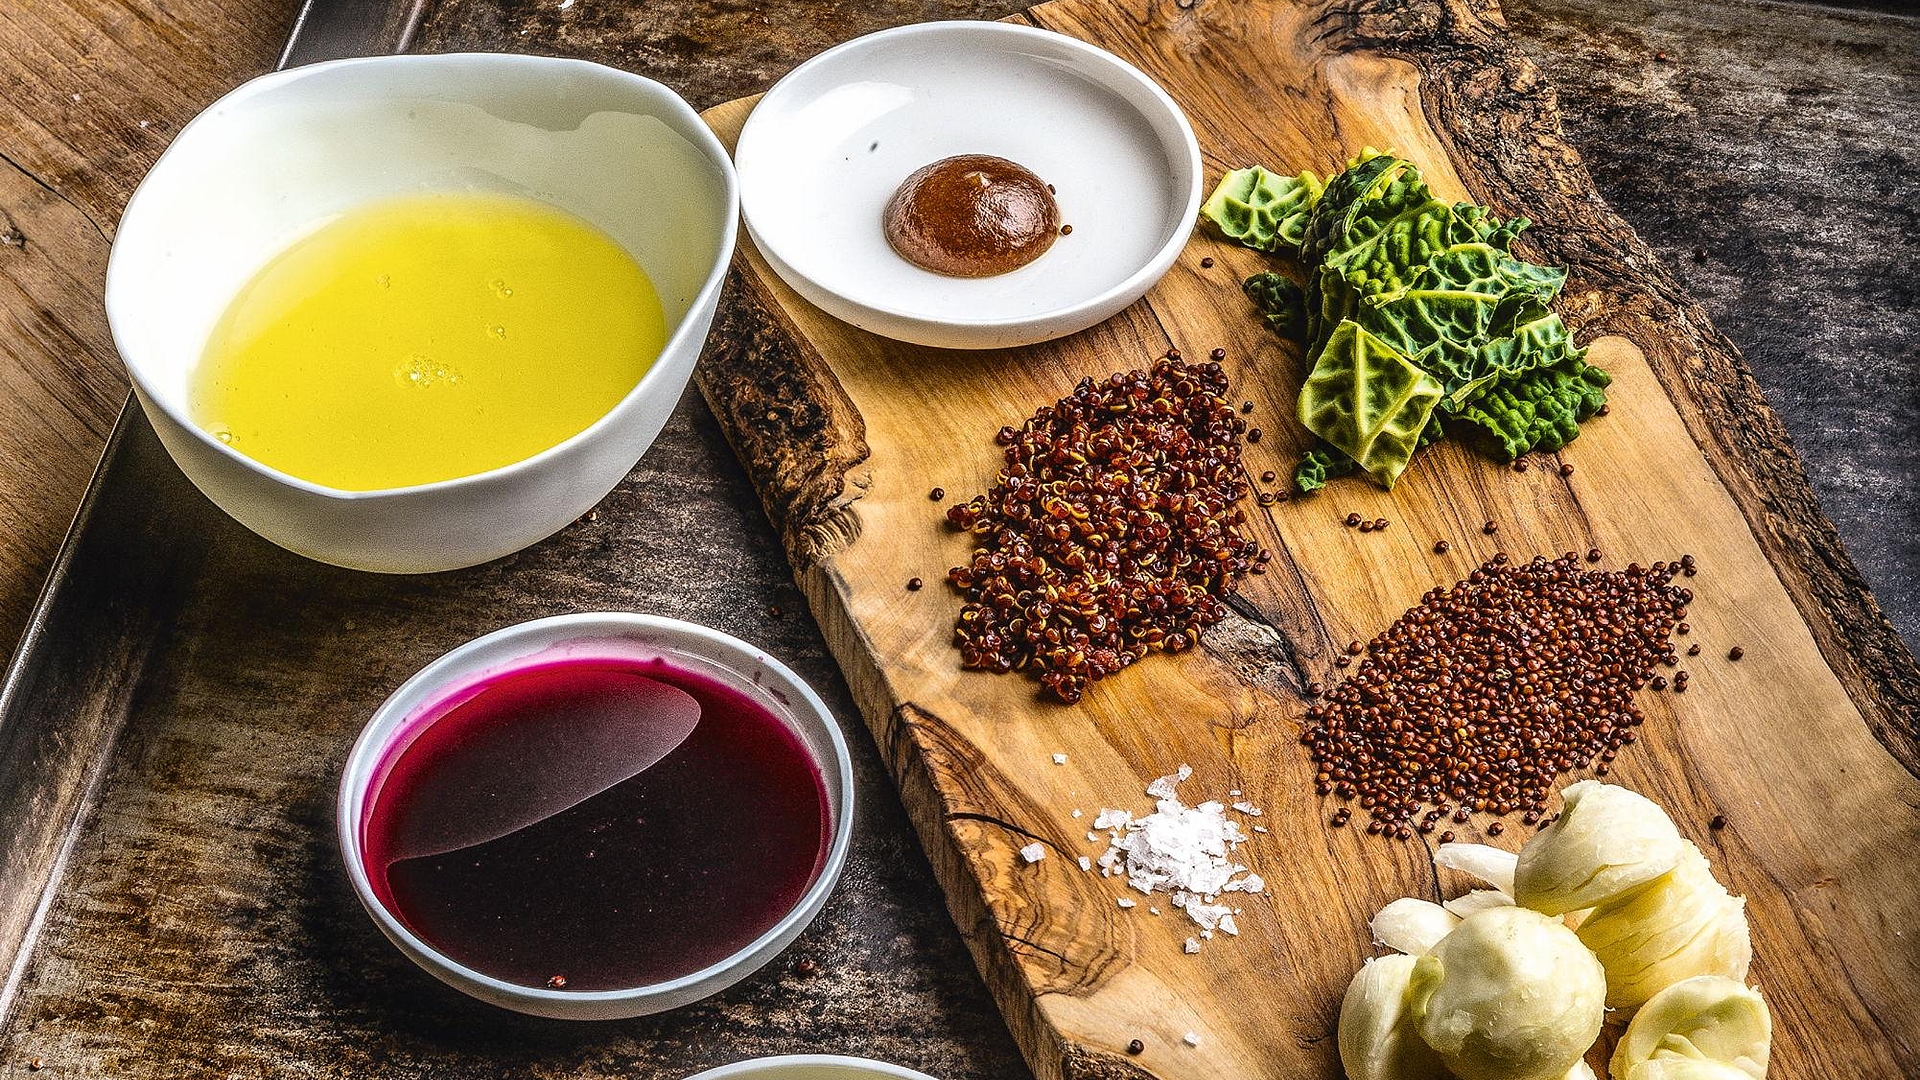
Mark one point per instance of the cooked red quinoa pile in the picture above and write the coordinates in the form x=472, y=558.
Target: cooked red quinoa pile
x=1111, y=531
x=1479, y=698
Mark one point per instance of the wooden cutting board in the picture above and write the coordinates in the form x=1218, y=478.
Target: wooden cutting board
x=1807, y=746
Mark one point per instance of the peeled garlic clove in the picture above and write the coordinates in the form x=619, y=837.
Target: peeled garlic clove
x=1509, y=995
x=1412, y=926
x=1477, y=901
x=1489, y=864
x=1681, y=1069
x=1607, y=841
x=1682, y=924
x=1707, y=1018
x=1377, y=1039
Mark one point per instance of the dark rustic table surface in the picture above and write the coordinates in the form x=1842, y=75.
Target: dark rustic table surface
x=1767, y=151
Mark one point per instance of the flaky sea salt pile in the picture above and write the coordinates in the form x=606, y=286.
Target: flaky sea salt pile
x=1185, y=851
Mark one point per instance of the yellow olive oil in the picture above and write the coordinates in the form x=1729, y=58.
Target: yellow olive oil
x=427, y=337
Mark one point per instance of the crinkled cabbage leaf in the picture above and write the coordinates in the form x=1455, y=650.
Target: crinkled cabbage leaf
x=1412, y=285
x=1283, y=304
x=1368, y=400
x=1262, y=210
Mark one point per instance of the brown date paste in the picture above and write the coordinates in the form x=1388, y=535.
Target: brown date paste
x=974, y=215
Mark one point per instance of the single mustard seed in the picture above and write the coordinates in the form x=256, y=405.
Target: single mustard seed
x=1066, y=230
x=1136, y=1047
x=1352, y=520
x=1719, y=822
x=1268, y=477
x=557, y=981
x=806, y=968
x=1566, y=468
x=1441, y=547
x=1447, y=837
x=1253, y=436
x=1490, y=528
x=1366, y=526
x=1683, y=629
x=1246, y=406
x=1206, y=263
x=914, y=584
x=1736, y=653
x=1693, y=649
x=1593, y=554
x=1379, y=524
x=1217, y=354
x=937, y=494
x=1496, y=829
x=1520, y=465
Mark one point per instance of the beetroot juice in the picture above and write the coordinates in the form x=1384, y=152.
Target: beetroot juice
x=493, y=834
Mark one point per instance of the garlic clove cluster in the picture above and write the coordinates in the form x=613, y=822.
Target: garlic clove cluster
x=1412, y=926
x=1704, y=1018
x=1681, y=924
x=1376, y=1036
x=1607, y=841
x=1614, y=910
x=1510, y=994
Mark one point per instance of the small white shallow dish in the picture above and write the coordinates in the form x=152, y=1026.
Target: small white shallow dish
x=810, y=1067
x=831, y=142
x=286, y=153
x=709, y=652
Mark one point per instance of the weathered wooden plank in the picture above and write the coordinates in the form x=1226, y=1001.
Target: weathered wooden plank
x=90, y=92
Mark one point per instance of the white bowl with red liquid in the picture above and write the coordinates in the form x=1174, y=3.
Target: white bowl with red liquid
x=713, y=657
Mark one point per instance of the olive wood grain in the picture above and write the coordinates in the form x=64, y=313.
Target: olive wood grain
x=1807, y=746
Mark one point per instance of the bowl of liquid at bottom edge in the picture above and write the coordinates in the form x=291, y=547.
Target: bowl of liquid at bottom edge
x=596, y=816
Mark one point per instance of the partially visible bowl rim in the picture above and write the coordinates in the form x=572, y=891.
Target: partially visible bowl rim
x=347, y=826
x=1168, y=250
x=748, y=1066
x=697, y=133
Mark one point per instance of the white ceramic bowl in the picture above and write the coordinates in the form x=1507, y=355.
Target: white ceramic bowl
x=709, y=652
x=287, y=152
x=810, y=1067
x=830, y=143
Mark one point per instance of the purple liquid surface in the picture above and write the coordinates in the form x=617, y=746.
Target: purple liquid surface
x=656, y=877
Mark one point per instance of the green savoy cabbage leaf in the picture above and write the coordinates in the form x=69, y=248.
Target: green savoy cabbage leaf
x=1262, y=210
x=1283, y=303
x=1417, y=315
x=1321, y=464
x=1367, y=399
x=1540, y=410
